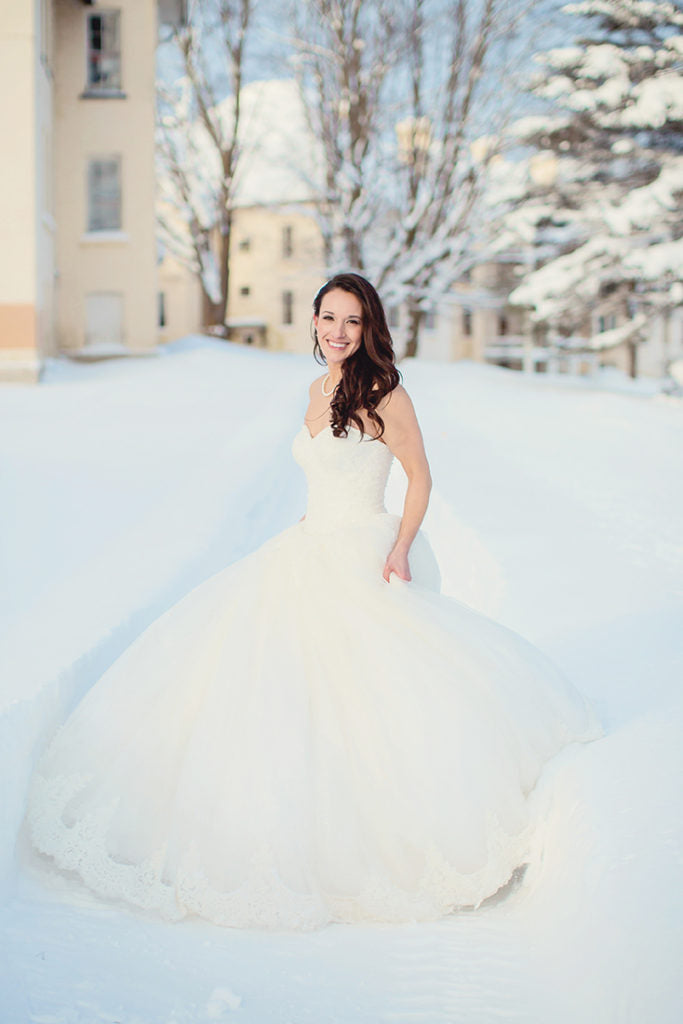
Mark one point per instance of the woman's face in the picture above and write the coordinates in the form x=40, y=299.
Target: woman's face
x=339, y=326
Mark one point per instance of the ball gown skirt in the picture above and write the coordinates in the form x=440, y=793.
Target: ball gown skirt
x=297, y=741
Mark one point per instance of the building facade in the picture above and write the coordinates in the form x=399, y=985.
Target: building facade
x=104, y=176
x=27, y=222
x=276, y=273
x=276, y=267
x=77, y=199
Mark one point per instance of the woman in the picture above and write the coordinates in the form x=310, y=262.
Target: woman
x=368, y=393
x=314, y=734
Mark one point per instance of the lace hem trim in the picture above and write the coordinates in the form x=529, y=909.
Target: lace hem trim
x=263, y=900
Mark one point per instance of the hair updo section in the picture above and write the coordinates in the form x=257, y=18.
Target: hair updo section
x=370, y=373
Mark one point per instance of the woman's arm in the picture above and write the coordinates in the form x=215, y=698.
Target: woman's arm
x=313, y=393
x=403, y=437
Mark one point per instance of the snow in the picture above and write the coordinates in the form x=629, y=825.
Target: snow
x=618, y=335
x=557, y=507
x=210, y=275
x=656, y=101
x=563, y=279
x=654, y=261
x=676, y=371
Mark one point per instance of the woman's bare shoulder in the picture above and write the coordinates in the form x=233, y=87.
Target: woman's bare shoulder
x=397, y=400
x=316, y=384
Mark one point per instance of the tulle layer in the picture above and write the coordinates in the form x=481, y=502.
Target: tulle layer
x=297, y=742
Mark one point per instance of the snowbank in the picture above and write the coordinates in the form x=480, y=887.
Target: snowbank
x=556, y=508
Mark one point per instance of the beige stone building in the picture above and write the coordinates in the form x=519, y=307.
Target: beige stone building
x=476, y=321
x=27, y=223
x=77, y=198
x=276, y=273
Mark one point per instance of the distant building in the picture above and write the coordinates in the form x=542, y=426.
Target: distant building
x=275, y=275
x=475, y=320
x=78, y=261
x=277, y=258
x=275, y=271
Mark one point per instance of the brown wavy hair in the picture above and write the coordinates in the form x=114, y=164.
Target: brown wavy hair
x=370, y=373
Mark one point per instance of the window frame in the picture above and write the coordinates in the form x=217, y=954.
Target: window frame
x=114, y=158
x=430, y=318
x=93, y=89
x=287, y=308
x=287, y=241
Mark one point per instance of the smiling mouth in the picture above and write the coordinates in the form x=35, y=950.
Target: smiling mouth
x=337, y=344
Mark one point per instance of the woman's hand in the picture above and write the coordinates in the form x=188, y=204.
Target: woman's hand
x=397, y=562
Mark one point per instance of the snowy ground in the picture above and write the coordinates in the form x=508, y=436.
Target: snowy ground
x=557, y=508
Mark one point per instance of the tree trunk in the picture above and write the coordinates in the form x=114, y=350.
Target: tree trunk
x=352, y=247
x=633, y=359
x=224, y=264
x=415, y=316
x=213, y=313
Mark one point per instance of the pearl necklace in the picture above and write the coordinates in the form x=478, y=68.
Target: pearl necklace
x=322, y=387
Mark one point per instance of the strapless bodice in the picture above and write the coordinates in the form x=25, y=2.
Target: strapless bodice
x=346, y=476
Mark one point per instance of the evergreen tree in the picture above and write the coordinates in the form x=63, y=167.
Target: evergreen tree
x=609, y=223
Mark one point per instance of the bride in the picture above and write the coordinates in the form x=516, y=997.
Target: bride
x=314, y=733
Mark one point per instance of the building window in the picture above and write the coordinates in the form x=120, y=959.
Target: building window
x=503, y=326
x=430, y=319
x=467, y=323
x=394, y=316
x=607, y=323
x=287, y=307
x=245, y=244
x=245, y=290
x=287, y=241
x=162, y=309
x=104, y=194
x=172, y=13
x=104, y=52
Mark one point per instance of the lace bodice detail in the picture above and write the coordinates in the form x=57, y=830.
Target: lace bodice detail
x=346, y=476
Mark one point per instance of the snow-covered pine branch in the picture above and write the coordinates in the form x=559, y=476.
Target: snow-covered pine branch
x=605, y=225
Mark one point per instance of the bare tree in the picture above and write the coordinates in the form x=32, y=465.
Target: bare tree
x=409, y=100
x=337, y=44
x=198, y=128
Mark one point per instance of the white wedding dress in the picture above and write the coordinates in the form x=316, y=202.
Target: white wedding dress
x=297, y=741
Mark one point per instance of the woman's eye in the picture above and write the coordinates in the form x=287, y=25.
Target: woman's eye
x=327, y=317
